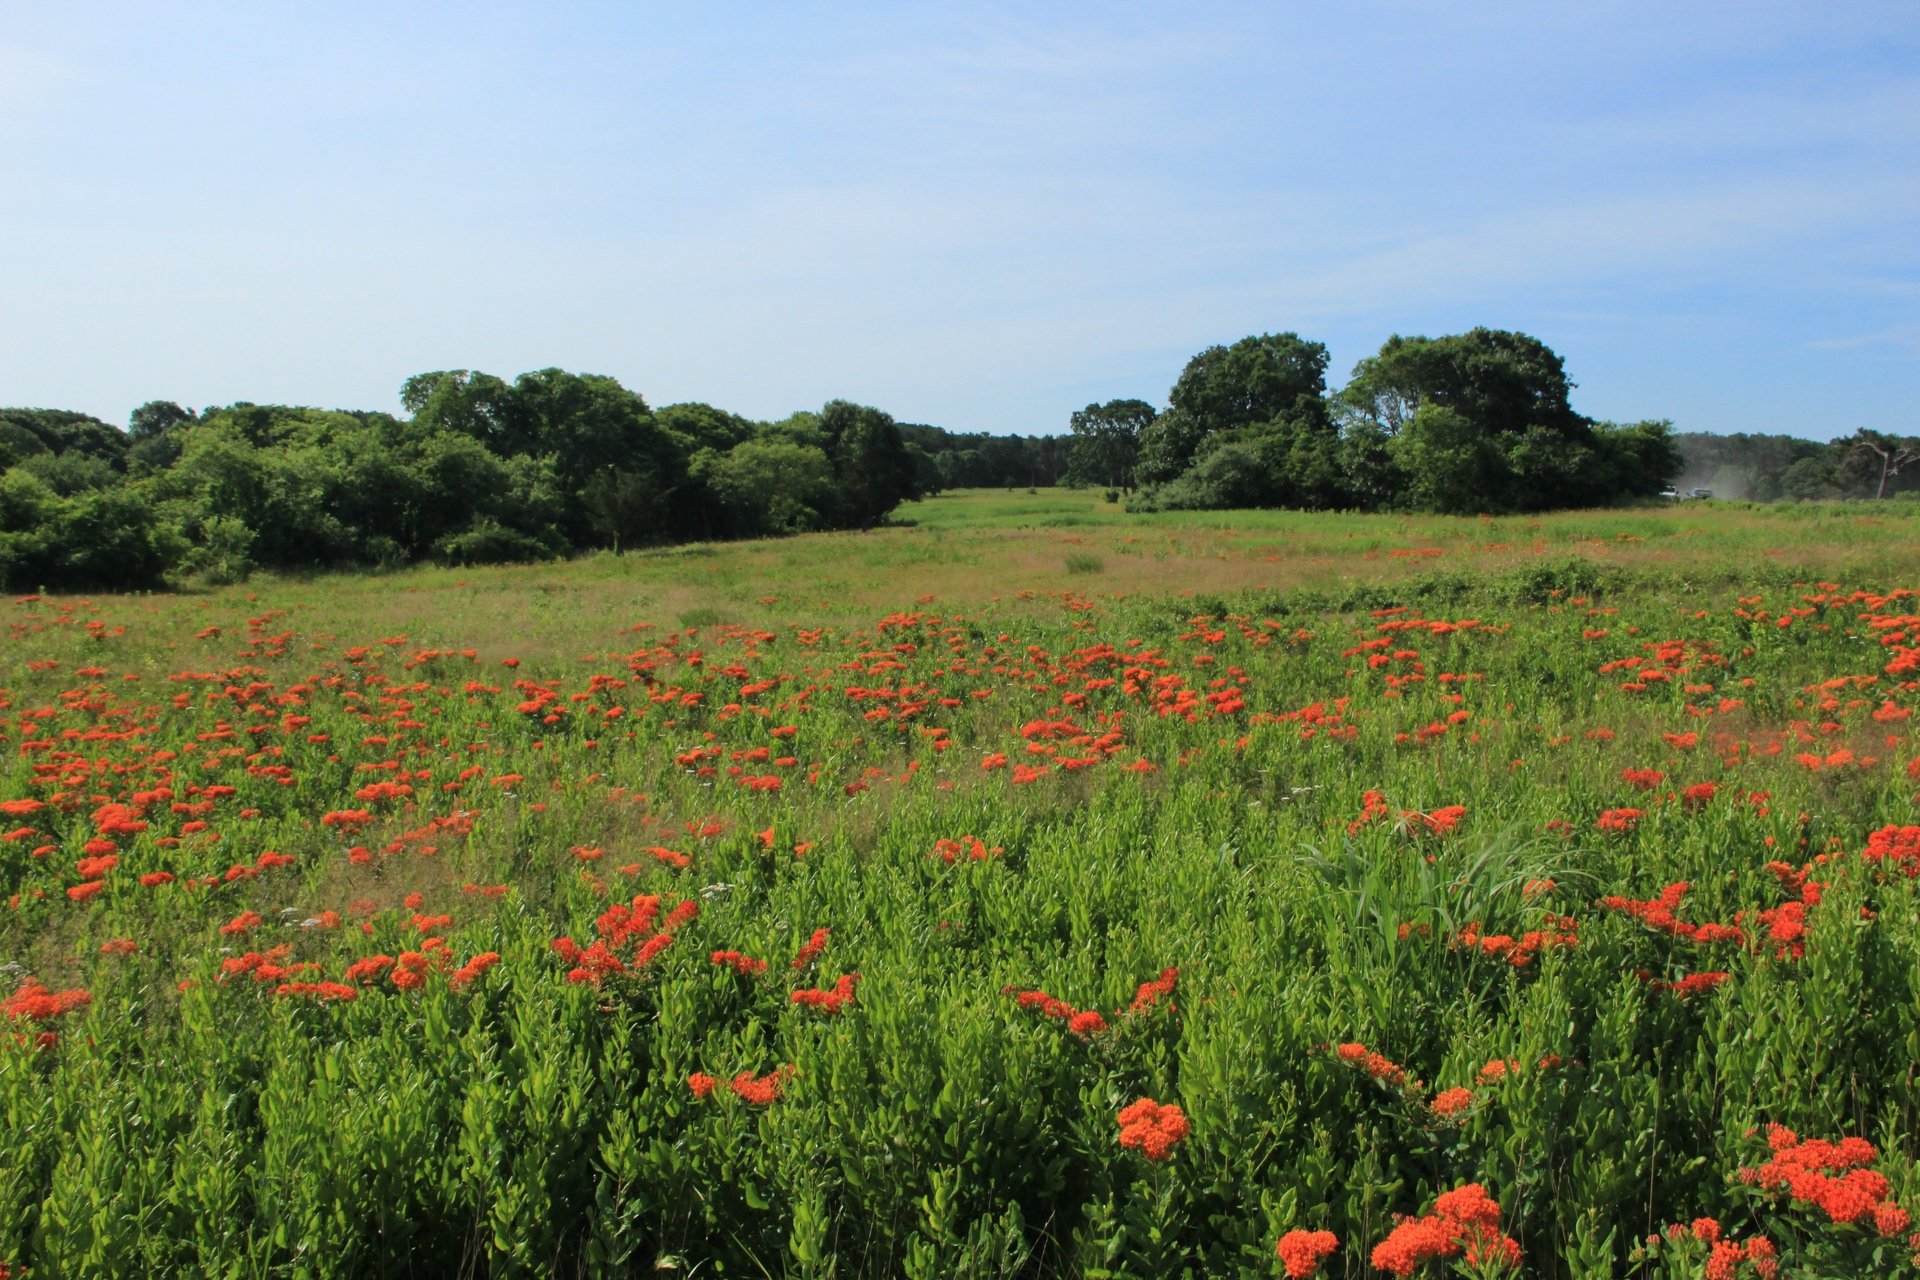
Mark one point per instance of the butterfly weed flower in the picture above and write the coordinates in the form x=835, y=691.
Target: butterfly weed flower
x=369, y=969
x=1381, y=1068
x=1152, y=992
x=1497, y=1070
x=812, y=948
x=1042, y=1003
x=832, y=1000
x=34, y=1002
x=472, y=970
x=1556, y=932
x=744, y=965
x=1619, y=821
x=1087, y=1024
x=1464, y=1222
x=242, y=924
x=1693, y=984
x=1725, y=1259
x=1152, y=1128
x=1441, y=822
x=1660, y=914
x=760, y=1090
x=970, y=848
x=1303, y=1251
x=94, y=867
x=1894, y=848
x=1373, y=806
x=1834, y=1177
x=1698, y=796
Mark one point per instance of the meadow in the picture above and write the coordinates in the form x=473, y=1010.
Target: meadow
x=1029, y=889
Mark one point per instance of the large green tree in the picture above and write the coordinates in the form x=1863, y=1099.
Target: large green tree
x=872, y=471
x=1500, y=381
x=1106, y=442
x=1498, y=423
x=1259, y=380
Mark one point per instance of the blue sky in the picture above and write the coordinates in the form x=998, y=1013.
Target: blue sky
x=981, y=216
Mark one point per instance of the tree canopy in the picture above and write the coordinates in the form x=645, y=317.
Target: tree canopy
x=1474, y=422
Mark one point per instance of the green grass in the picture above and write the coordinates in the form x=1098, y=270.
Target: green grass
x=1233, y=787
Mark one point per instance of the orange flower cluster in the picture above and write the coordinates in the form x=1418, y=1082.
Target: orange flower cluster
x=1699, y=795
x=1152, y=1128
x=638, y=923
x=1357, y=1055
x=1691, y=985
x=1831, y=1176
x=1373, y=807
x=972, y=848
x=744, y=965
x=34, y=1002
x=1087, y=1023
x=1464, y=1221
x=833, y=1000
x=1619, y=821
x=241, y=924
x=1786, y=925
x=347, y=820
x=756, y=1090
x=1440, y=822
x=1154, y=990
x=1303, y=1251
x=471, y=971
x=1726, y=1259
x=1555, y=932
x=1895, y=847
x=760, y=1090
x=811, y=949
x=1658, y=913
x=1084, y=1023
x=267, y=966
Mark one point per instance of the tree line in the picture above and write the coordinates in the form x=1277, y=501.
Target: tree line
x=479, y=470
x=482, y=470
x=1462, y=424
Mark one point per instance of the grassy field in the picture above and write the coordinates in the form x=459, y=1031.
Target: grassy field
x=1028, y=889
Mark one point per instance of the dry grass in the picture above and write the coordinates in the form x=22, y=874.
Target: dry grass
x=972, y=548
